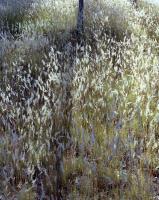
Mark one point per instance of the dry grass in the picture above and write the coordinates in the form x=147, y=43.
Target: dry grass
x=100, y=101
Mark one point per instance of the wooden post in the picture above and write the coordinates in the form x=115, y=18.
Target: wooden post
x=80, y=19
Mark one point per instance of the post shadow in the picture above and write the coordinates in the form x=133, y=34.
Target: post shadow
x=67, y=104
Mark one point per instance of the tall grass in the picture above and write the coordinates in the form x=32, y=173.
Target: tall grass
x=88, y=111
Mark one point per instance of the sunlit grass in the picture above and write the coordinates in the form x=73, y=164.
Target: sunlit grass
x=113, y=102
